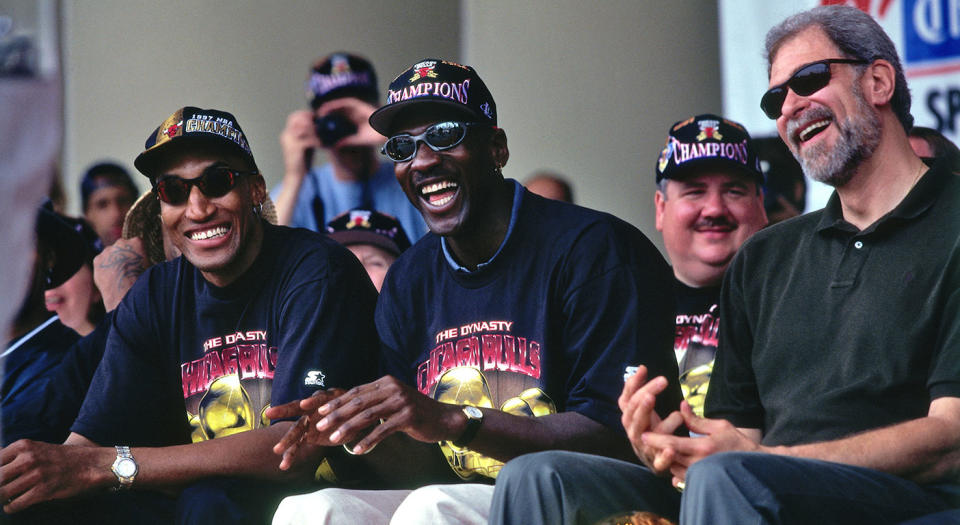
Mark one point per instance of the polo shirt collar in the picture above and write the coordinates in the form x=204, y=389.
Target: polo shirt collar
x=517, y=196
x=917, y=201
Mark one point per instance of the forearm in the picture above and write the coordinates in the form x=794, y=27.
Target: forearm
x=505, y=436
x=286, y=199
x=247, y=454
x=925, y=450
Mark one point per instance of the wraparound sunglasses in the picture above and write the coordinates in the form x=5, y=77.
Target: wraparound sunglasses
x=215, y=182
x=806, y=81
x=439, y=137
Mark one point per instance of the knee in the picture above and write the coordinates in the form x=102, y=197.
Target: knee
x=539, y=467
x=315, y=507
x=721, y=467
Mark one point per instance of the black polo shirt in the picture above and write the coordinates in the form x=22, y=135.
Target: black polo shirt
x=827, y=331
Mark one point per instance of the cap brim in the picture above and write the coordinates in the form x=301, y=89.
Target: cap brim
x=382, y=119
x=715, y=163
x=146, y=162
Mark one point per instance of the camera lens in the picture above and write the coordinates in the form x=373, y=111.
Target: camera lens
x=333, y=127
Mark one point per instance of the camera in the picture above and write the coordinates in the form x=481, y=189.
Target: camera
x=333, y=127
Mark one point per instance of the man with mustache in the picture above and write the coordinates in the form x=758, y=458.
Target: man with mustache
x=835, y=395
x=708, y=202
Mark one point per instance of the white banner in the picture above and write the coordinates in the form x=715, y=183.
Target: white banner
x=926, y=33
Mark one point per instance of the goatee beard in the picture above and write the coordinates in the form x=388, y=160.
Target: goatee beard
x=859, y=138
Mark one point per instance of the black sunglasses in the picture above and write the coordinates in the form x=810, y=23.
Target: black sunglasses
x=806, y=81
x=215, y=182
x=440, y=136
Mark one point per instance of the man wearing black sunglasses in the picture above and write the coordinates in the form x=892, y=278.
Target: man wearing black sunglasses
x=835, y=395
x=514, y=306
x=249, y=316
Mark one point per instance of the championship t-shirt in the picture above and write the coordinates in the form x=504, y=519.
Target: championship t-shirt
x=572, y=299
x=189, y=361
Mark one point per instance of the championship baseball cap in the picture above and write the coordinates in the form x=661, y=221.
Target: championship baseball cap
x=706, y=141
x=361, y=226
x=342, y=75
x=440, y=82
x=198, y=126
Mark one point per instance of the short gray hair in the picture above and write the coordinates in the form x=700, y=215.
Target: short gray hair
x=857, y=35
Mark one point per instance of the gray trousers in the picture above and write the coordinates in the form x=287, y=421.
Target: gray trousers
x=728, y=488
x=554, y=488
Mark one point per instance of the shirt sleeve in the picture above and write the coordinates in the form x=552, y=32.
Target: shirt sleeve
x=328, y=338
x=617, y=312
x=135, y=395
x=945, y=371
x=733, y=393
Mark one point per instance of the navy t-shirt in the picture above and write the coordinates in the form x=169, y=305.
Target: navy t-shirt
x=573, y=298
x=26, y=390
x=186, y=360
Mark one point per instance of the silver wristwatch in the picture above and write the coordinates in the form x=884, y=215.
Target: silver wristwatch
x=124, y=467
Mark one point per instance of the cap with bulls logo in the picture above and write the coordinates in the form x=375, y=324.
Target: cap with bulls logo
x=360, y=226
x=707, y=141
x=190, y=125
x=438, y=82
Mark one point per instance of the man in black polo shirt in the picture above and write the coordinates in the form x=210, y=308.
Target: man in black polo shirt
x=835, y=396
x=839, y=358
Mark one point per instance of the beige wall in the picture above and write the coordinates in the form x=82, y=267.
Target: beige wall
x=130, y=63
x=585, y=88
x=590, y=89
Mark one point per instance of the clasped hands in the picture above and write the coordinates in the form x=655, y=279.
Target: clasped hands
x=653, y=439
x=334, y=417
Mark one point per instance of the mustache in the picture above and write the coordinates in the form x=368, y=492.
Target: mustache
x=808, y=116
x=715, y=222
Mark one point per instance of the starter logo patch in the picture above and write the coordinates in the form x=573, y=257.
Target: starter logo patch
x=314, y=378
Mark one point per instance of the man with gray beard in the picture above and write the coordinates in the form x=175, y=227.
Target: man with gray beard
x=835, y=394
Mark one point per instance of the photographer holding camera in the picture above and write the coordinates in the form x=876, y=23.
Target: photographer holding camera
x=342, y=90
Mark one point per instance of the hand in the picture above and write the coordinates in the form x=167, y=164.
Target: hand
x=117, y=267
x=359, y=113
x=302, y=439
x=678, y=453
x=298, y=140
x=33, y=472
x=398, y=406
x=637, y=402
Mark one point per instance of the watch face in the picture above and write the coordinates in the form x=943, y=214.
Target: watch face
x=473, y=412
x=126, y=468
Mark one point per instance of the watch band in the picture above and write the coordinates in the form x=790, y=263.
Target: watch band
x=474, y=420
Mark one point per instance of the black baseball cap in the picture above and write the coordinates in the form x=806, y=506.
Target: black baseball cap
x=69, y=250
x=341, y=75
x=190, y=125
x=359, y=226
x=438, y=82
x=707, y=141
